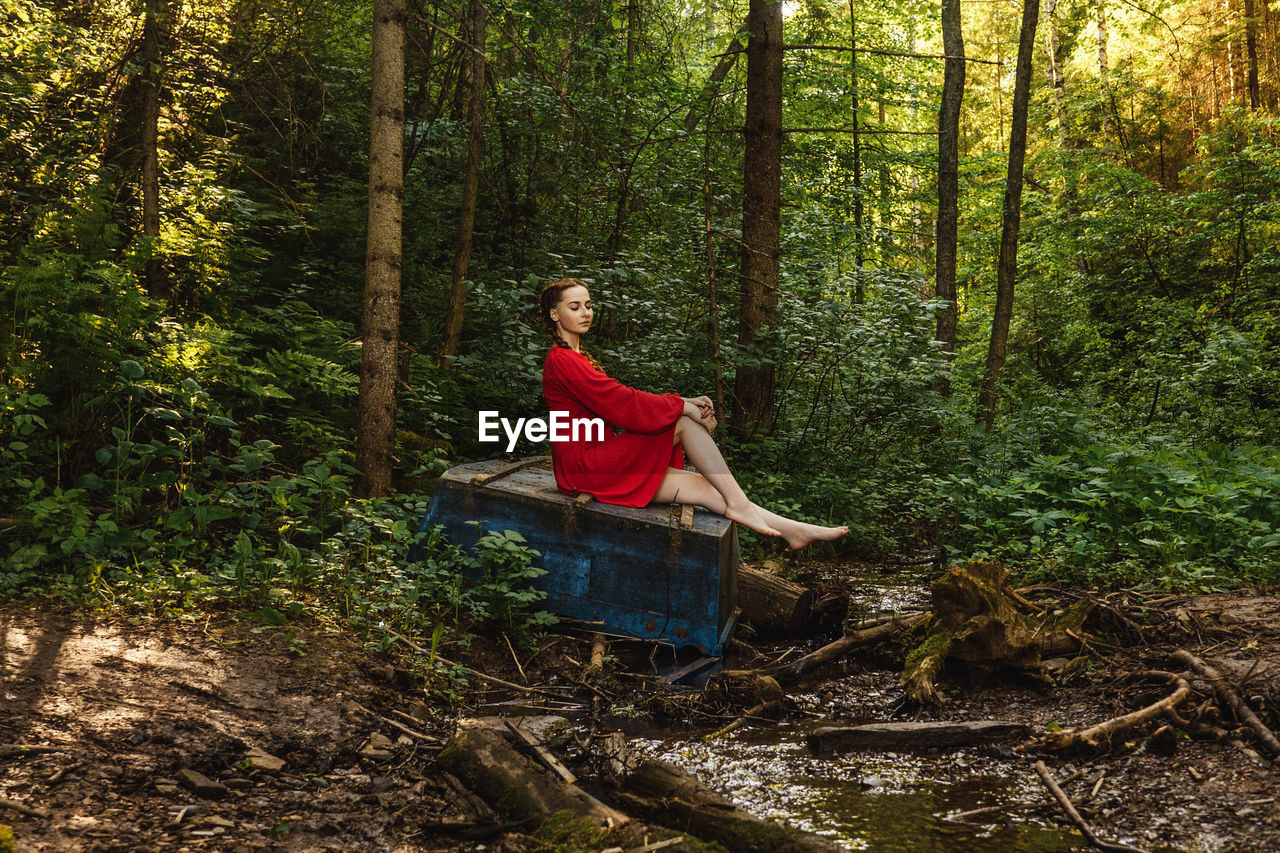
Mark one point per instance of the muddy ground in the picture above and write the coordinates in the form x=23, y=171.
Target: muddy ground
x=138, y=734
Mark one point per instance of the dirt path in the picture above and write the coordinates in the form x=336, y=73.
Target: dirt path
x=126, y=709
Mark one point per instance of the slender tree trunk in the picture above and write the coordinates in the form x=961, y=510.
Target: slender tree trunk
x=859, y=236
x=1103, y=62
x=1057, y=81
x=617, y=239
x=375, y=429
x=761, y=215
x=155, y=278
x=1007, y=270
x=1251, y=51
x=713, y=289
x=470, y=183
x=949, y=178
x=883, y=180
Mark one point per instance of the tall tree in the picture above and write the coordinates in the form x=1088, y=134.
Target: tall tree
x=454, y=311
x=761, y=215
x=1007, y=270
x=155, y=279
x=375, y=429
x=949, y=177
x=1251, y=51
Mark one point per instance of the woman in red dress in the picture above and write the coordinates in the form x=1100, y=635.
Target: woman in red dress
x=645, y=463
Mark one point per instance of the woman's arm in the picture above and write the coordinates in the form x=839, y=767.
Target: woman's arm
x=607, y=398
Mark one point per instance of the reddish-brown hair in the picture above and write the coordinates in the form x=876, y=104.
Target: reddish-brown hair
x=549, y=297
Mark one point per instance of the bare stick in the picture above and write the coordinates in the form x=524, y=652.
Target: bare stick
x=1229, y=696
x=480, y=675
x=1096, y=734
x=844, y=645
x=22, y=808
x=399, y=726
x=1085, y=829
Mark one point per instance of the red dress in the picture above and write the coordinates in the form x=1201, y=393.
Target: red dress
x=623, y=469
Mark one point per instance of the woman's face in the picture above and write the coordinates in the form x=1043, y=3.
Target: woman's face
x=574, y=313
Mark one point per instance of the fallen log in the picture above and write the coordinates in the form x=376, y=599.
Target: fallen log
x=913, y=735
x=841, y=647
x=480, y=756
x=676, y=799
x=1231, y=699
x=773, y=605
x=1093, y=736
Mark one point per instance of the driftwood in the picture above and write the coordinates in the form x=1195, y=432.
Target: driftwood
x=913, y=735
x=1094, y=736
x=1081, y=824
x=772, y=604
x=676, y=799
x=976, y=620
x=482, y=758
x=1230, y=698
x=841, y=647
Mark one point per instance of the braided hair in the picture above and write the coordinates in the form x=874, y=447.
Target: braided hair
x=549, y=298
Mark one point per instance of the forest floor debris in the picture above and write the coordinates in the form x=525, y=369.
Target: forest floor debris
x=119, y=735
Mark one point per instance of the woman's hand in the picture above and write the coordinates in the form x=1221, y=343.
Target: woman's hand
x=702, y=411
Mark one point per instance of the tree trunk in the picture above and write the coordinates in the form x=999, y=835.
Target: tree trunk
x=155, y=279
x=622, y=210
x=1251, y=51
x=761, y=215
x=1102, y=41
x=470, y=182
x=1057, y=81
x=1008, y=266
x=949, y=178
x=858, y=235
x=713, y=286
x=375, y=429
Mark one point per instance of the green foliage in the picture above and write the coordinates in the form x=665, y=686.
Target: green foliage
x=1156, y=513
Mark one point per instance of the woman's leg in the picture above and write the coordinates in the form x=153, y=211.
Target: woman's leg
x=690, y=487
x=701, y=450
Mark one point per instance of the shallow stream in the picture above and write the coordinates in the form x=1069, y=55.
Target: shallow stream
x=868, y=800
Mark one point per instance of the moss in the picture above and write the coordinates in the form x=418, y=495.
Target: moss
x=564, y=833
x=7, y=842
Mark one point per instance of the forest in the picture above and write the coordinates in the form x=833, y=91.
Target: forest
x=984, y=280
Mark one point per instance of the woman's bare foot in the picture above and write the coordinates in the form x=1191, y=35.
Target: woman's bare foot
x=751, y=516
x=806, y=534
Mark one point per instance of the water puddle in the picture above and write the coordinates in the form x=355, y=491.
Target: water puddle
x=865, y=801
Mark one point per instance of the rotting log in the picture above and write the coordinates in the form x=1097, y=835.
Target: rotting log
x=676, y=799
x=914, y=735
x=1231, y=699
x=487, y=764
x=1094, y=736
x=841, y=647
x=773, y=605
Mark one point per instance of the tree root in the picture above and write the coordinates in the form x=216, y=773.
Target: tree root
x=1093, y=736
x=1231, y=699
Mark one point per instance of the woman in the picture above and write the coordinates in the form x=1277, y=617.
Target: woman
x=645, y=463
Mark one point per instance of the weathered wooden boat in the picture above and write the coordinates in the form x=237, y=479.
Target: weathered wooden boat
x=662, y=573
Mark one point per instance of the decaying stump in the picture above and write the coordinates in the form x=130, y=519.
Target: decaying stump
x=668, y=795
x=773, y=605
x=978, y=621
